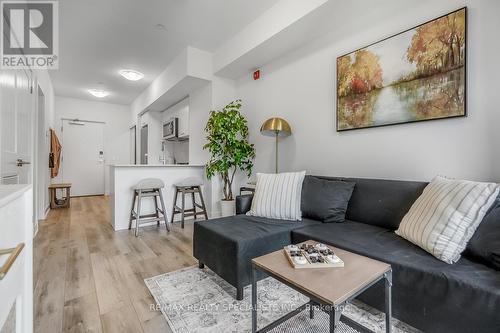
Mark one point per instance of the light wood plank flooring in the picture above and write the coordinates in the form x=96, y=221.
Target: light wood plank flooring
x=88, y=278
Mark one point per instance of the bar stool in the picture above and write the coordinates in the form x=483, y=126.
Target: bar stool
x=150, y=187
x=188, y=186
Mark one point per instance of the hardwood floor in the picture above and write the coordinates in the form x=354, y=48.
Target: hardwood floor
x=89, y=278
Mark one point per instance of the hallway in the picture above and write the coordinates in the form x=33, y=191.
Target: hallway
x=88, y=278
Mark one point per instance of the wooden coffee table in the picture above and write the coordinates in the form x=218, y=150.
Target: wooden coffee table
x=329, y=288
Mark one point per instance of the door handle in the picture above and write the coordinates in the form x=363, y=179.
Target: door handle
x=20, y=162
x=14, y=253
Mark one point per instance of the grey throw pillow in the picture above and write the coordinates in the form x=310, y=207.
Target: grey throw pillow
x=484, y=246
x=325, y=200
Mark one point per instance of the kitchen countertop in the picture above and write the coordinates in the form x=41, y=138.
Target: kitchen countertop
x=10, y=192
x=158, y=165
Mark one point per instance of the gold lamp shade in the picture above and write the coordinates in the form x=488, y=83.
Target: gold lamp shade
x=276, y=126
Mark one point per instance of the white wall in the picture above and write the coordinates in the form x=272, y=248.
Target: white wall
x=200, y=104
x=42, y=196
x=116, y=129
x=214, y=96
x=300, y=87
x=45, y=84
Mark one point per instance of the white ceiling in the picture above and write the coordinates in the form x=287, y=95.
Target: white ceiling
x=335, y=21
x=97, y=38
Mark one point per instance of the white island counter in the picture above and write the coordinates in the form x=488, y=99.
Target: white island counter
x=16, y=286
x=124, y=177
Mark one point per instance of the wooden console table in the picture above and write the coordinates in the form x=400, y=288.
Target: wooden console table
x=65, y=200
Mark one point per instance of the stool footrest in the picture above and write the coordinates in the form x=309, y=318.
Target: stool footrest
x=149, y=220
x=149, y=194
x=190, y=191
x=193, y=214
x=185, y=211
x=134, y=215
x=188, y=210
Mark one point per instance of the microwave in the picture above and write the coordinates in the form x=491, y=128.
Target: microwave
x=170, y=129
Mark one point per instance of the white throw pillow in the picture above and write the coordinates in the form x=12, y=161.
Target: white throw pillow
x=444, y=218
x=278, y=196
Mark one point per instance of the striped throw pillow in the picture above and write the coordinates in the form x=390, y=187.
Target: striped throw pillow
x=278, y=196
x=444, y=218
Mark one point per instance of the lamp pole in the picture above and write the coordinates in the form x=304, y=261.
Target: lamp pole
x=276, y=163
x=276, y=127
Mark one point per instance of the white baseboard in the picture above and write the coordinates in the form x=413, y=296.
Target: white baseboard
x=47, y=210
x=176, y=220
x=215, y=214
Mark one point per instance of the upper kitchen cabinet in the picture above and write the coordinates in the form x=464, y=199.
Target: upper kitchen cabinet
x=181, y=112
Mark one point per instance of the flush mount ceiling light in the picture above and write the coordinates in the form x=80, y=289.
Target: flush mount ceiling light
x=160, y=26
x=131, y=75
x=98, y=93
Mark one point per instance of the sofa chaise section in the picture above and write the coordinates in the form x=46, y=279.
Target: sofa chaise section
x=227, y=245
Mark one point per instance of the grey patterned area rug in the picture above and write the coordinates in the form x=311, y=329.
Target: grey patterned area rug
x=197, y=300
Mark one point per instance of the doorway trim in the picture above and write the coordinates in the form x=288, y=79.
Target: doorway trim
x=133, y=143
x=83, y=120
x=40, y=179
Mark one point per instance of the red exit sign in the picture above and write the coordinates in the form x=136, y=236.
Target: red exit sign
x=256, y=74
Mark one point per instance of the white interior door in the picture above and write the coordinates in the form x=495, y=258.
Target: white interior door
x=83, y=157
x=25, y=108
x=16, y=217
x=16, y=105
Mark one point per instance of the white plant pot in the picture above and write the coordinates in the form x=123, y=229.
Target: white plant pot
x=227, y=208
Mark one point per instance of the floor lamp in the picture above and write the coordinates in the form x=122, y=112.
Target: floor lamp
x=276, y=127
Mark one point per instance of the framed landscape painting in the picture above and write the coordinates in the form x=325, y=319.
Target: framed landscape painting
x=417, y=75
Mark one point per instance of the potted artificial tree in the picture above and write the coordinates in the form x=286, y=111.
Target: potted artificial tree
x=227, y=136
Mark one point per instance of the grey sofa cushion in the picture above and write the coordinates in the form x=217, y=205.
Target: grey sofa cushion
x=325, y=200
x=227, y=245
x=381, y=202
x=484, y=246
x=378, y=202
x=427, y=293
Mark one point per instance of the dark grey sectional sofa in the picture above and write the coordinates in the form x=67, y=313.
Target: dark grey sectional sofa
x=427, y=293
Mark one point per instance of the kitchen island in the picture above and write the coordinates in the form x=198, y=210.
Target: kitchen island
x=124, y=177
x=16, y=241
